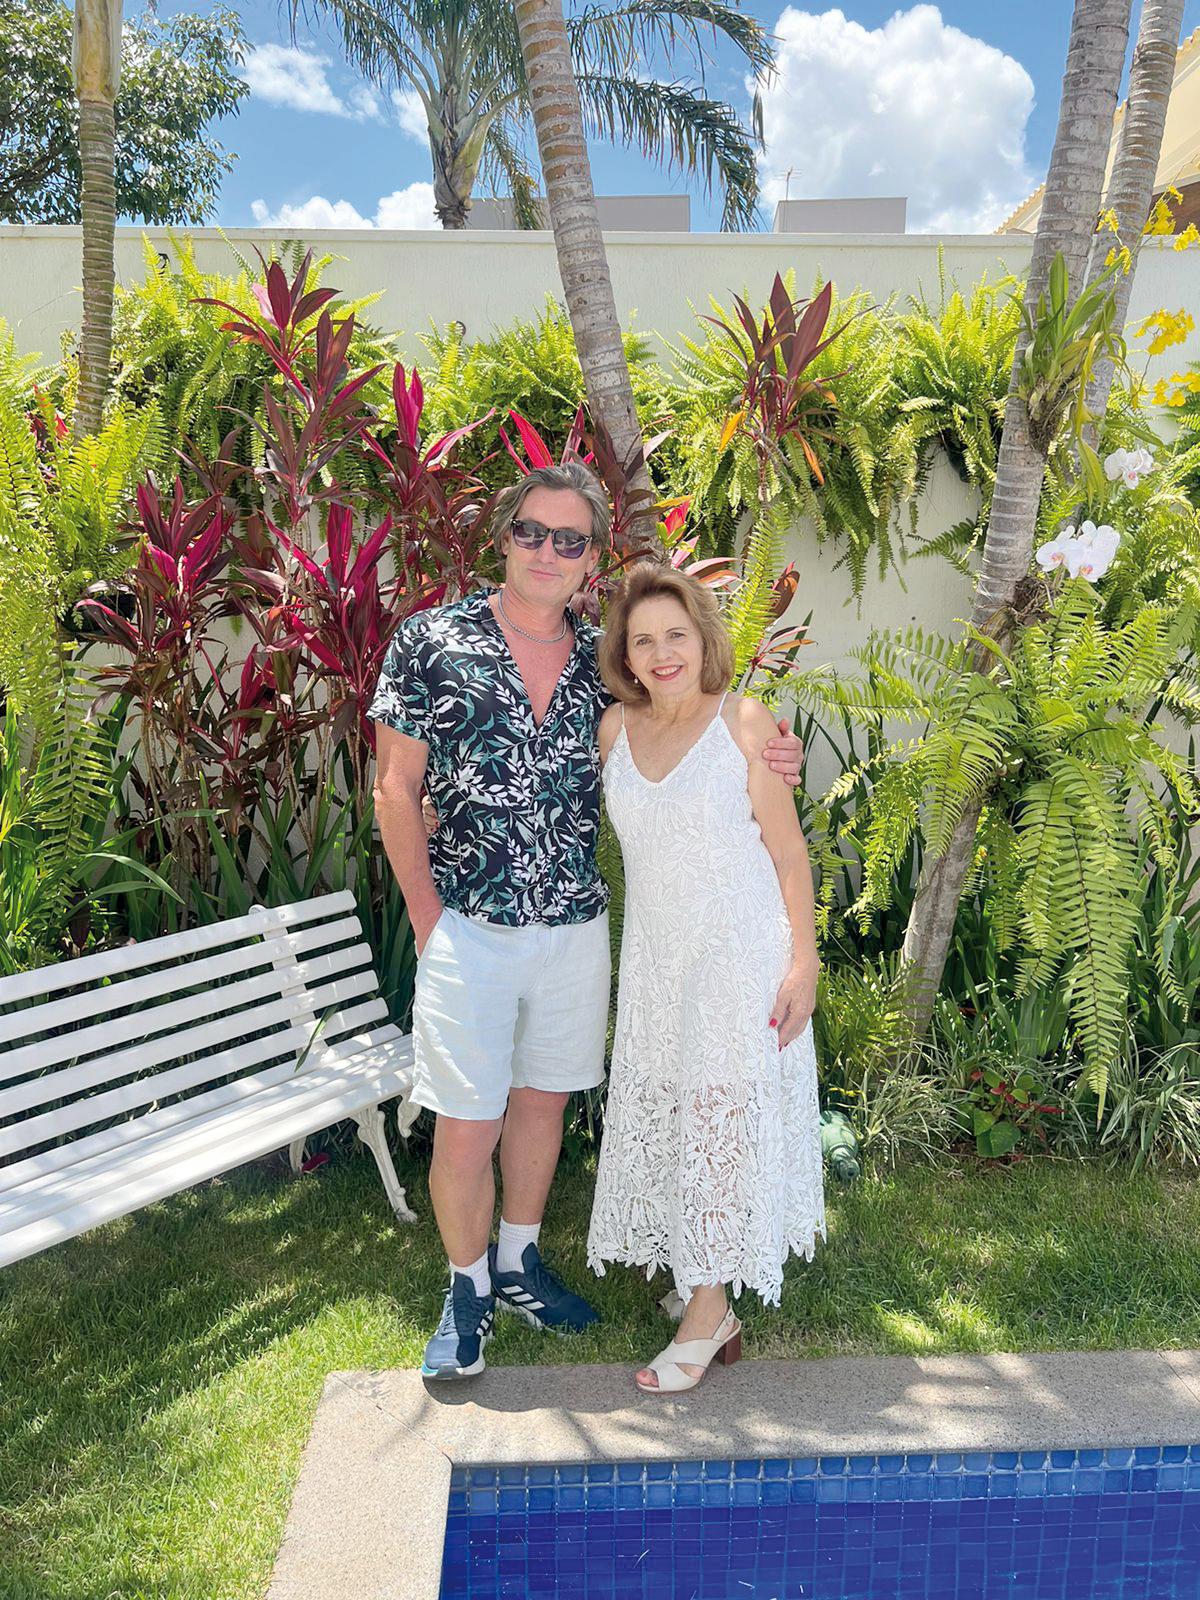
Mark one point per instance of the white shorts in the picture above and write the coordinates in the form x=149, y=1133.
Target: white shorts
x=500, y=1008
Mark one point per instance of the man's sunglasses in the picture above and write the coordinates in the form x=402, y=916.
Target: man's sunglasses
x=568, y=542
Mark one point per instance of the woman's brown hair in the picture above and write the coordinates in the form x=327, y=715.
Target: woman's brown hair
x=649, y=581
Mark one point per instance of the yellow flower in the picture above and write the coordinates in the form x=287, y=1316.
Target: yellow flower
x=1160, y=392
x=1161, y=220
x=1173, y=328
x=1190, y=235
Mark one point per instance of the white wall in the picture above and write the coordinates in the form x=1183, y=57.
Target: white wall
x=485, y=280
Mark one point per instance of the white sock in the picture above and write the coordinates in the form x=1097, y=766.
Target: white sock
x=514, y=1236
x=478, y=1274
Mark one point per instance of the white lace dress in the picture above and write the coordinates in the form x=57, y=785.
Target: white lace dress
x=711, y=1160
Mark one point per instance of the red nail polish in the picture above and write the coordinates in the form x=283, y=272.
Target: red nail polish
x=772, y=1023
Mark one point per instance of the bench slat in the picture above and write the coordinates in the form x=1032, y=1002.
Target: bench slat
x=352, y=1079
x=165, y=1022
x=129, y=958
x=191, y=1041
x=80, y=1113
x=42, y=1167
x=109, y=999
x=144, y=1177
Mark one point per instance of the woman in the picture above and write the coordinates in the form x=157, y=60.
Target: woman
x=711, y=1162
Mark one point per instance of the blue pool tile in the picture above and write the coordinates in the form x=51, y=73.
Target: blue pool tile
x=1035, y=1525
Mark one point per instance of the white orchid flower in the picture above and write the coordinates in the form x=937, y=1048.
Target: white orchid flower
x=1056, y=552
x=1095, y=549
x=1131, y=466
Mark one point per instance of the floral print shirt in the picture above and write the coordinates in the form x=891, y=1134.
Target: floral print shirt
x=518, y=805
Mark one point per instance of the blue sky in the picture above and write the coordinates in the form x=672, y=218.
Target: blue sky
x=953, y=105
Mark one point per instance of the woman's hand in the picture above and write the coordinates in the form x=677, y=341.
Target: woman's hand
x=785, y=754
x=796, y=1000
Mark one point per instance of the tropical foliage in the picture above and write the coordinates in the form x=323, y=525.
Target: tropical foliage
x=274, y=492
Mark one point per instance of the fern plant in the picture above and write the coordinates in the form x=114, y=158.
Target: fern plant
x=55, y=858
x=952, y=367
x=62, y=502
x=1050, y=742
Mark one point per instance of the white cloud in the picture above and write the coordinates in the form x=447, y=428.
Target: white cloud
x=364, y=104
x=404, y=208
x=915, y=108
x=407, y=208
x=286, y=75
x=410, y=114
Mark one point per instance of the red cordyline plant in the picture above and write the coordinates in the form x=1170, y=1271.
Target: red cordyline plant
x=239, y=757
x=779, y=400
x=440, y=513
x=161, y=617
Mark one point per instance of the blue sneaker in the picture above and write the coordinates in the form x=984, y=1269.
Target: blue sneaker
x=539, y=1295
x=456, y=1349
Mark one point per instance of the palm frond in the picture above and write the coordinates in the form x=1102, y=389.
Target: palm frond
x=682, y=127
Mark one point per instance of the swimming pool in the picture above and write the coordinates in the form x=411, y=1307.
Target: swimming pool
x=1115, y=1524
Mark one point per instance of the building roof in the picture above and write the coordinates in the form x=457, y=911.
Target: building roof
x=1179, y=162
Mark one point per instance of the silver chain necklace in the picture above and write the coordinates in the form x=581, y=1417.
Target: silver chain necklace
x=524, y=632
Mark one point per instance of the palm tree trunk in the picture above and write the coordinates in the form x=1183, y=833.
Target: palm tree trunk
x=97, y=63
x=1070, y=207
x=1131, y=188
x=582, y=262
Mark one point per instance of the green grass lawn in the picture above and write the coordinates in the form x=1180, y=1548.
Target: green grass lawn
x=158, y=1377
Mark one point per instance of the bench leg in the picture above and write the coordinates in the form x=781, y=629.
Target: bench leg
x=406, y=1114
x=296, y=1154
x=372, y=1132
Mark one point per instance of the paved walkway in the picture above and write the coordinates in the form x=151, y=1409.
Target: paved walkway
x=368, y=1518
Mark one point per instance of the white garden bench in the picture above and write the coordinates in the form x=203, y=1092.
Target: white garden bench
x=132, y=1074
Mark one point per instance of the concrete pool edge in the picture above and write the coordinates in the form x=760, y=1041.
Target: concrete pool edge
x=369, y=1513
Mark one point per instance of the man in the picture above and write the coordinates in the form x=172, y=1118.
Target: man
x=492, y=705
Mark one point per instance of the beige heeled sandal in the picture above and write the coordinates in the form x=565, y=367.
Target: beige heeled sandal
x=725, y=1346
